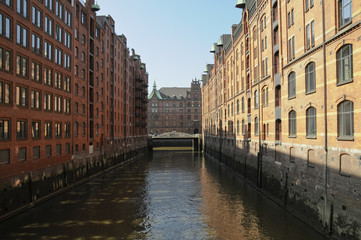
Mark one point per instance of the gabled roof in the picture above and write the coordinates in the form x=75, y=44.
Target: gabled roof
x=155, y=92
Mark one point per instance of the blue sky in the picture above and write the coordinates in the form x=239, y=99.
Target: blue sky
x=172, y=37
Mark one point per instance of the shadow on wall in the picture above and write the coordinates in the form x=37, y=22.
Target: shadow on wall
x=327, y=197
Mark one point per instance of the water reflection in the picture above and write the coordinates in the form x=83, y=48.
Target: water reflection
x=177, y=195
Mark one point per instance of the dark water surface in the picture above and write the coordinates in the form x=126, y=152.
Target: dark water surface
x=175, y=195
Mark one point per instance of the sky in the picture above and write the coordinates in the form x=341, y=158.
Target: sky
x=172, y=37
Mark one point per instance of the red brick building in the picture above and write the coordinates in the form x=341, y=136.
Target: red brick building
x=69, y=88
x=175, y=109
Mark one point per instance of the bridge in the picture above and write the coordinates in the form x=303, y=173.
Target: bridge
x=176, y=141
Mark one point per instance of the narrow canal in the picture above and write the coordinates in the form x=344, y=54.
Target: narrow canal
x=174, y=195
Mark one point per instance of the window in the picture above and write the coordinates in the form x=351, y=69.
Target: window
x=22, y=8
x=5, y=60
x=243, y=128
x=58, y=149
x=292, y=132
x=35, y=130
x=49, y=4
x=310, y=33
x=97, y=33
x=292, y=85
x=344, y=12
x=83, y=129
x=67, y=130
x=265, y=67
x=344, y=64
x=67, y=148
x=57, y=130
x=67, y=83
x=48, y=150
x=83, y=109
x=310, y=78
x=21, y=96
x=36, y=44
x=311, y=129
x=309, y=4
x=256, y=103
x=76, y=108
x=67, y=61
x=21, y=35
x=59, y=9
x=21, y=129
x=47, y=130
x=4, y=156
x=48, y=50
x=21, y=66
x=66, y=106
x=48, y=28
x=22, y=154
x=57, y=106
x=243, y=104
x=35, y=72
x=67, y=18
x=58, y=80
x=36, y=152
x=47, y=102
x=4, y=129
x=5, y=26
x=237, y=106
x=256, y=126
x=5, y=90
x=291, y=18
x=58, y=33
x=76, y=128
x=291, y=48
x=67, y=40
x=35, y=99
x=7, y=2
x=58, y=56
x=237, y=127
x=48, y=76
x=83, y=18
x=345, y=123
x=36, y=17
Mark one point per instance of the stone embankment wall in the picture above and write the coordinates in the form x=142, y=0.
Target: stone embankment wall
x=21, y=192
x=306, y=182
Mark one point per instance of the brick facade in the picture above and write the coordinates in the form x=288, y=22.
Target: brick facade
x=283, y=89
x=175, y=109
x=69, y=88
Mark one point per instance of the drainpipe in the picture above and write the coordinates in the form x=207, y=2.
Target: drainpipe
x=325, y=111
x=259, y=154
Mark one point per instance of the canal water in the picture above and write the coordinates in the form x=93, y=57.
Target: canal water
x=174, y=195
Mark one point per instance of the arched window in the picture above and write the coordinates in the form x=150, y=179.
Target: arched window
x=345, y=123
x=311, y=127
x=292, y=132
x=243, y=104
x=243, y=128
x=256, y=126
x=237, y=127
x=256, y=99
x=344, y=64
x=292, y=85
x=310, y=78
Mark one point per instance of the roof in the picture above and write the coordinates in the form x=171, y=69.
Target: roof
x=171, y=92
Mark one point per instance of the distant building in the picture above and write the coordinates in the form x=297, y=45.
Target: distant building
x=175, y=109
